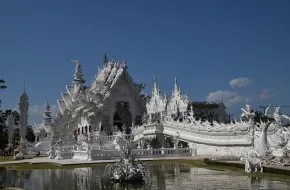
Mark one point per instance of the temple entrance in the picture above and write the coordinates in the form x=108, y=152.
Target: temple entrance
x=122, y=116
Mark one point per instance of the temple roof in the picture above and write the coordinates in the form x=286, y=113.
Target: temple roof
x=108, y=76
x=160, y=103
x=102, y=85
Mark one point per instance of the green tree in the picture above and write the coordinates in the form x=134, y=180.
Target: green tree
x=3, y=129
x=204, y=110
x=261, y=117
x=2, y=84
x=3, y=126
x=30, y=137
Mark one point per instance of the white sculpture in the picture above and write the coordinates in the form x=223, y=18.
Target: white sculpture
x=248, y=114
x=11, y=128
x=127, y=169
x=253, y=162
x=23, y=109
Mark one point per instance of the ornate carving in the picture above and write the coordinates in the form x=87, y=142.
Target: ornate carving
x=11, y=127
x=127, y=168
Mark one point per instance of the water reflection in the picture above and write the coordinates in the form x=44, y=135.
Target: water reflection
x=164, y=176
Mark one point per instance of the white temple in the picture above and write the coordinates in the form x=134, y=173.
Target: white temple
x=91, y=117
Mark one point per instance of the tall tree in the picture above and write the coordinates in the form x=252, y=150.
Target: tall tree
x=3, y=127
x=204, y=110
x=2, y=86
x=30, y=135
x=261, y=117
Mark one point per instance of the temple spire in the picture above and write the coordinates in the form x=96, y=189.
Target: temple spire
x=23, y=115
x=105, y=59
x=175, y=84
x=47, y=118
x=78, y=74
x=155, y=89
x=176, y=89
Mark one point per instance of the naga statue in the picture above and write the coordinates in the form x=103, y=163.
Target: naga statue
x=277, y=152
x=127, y=169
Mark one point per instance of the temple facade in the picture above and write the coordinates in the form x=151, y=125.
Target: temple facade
x=112, y=103
x=92, y=117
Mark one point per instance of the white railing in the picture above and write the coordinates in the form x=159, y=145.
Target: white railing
x=67, y=154
x=163, y=152
x=187, y=134
x=111, y=137
x=140, y=153
x=80, y=155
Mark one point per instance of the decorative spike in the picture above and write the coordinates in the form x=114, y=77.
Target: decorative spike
x=105, y=59
x=165, y=95
x=23, y=112
x=47, y=118
x=78, y=74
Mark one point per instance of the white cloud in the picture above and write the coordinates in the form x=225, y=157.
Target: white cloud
x=38, y=110
x=228, y=97
x=239, y=82
x=267, y=93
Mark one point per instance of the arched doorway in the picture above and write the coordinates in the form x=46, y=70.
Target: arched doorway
x=122, y=115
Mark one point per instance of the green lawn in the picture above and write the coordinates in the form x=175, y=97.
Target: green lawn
x=5, y=159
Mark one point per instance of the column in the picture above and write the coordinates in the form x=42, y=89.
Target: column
x=35, y=139
x=175, y=142
x=193, y=149
x=161, y=139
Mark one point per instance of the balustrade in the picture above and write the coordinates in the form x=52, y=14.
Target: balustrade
x=111, y=137
x=141, y=153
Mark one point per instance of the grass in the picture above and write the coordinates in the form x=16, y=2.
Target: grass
x=274, y=174
x=6, y=159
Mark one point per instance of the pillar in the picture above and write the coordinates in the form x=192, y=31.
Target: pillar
x=193, y=149
x=35, y=139
x=175, y=142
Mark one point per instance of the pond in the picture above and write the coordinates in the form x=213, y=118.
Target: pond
x=164, y=176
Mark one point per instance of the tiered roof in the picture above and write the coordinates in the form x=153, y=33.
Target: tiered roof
x=157, y=102
x=106, y=79
x=160, y=103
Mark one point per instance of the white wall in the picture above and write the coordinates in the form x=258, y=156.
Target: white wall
x=210, y=150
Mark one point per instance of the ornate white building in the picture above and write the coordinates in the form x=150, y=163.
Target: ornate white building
x=91, y=117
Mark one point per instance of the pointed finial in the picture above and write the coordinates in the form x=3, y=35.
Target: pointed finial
x=175, y=83
x=24, y=88
x=78, y=74
x=165, y=95
x=175, y=89
x=105, y=59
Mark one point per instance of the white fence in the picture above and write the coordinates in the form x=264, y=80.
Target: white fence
x=140, y=153
x=111, y=137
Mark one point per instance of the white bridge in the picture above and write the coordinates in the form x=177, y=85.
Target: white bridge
x=188, y=133
x=203, y=138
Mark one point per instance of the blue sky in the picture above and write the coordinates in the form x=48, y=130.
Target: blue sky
x=205, y=44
